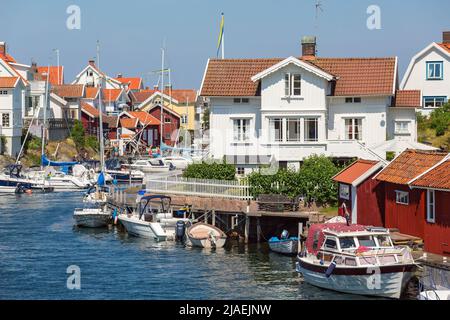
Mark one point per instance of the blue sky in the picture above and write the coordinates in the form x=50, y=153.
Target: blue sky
x=131, y=32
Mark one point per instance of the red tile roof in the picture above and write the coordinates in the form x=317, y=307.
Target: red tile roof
x=354, y=171
x=143, y=95
x=111, y=94
x=445, y=46
x=8, y=82
x=407, y=99
x=145, y=118
x=110, y=120
x=129, y=123
x=408, y=165
x=69, y=90
x=133, y=83
x=183, y=95
x=437, y=178
x=90, y=110
x=8, y=58
x=356, y=76
x=91, y=92
x=54, y=73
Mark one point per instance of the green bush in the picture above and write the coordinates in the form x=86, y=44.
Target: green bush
x=77, y=134
x=92, y=142
x=34, y=143
x=218, y=171
x=283, y=182
x=440, y=119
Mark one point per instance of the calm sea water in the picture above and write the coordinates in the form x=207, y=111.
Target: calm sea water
x=38, y=241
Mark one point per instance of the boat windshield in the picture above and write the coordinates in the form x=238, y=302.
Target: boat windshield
x=347, y=243
x=367, y=241
x=384, y=241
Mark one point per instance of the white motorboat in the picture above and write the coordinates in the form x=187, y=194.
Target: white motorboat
x=355, y=259
x=81, y=178
x=435, y=295
x=150, y=166
x=92, y=217
x=284, y=244
x=206, y=236
x=152, y=221
x=178, y=162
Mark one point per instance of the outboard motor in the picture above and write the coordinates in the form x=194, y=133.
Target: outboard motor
x=285, y=235
x=180, y=231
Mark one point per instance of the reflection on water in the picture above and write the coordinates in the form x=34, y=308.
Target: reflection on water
x=38, y=241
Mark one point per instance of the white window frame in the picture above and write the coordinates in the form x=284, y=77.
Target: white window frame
x=282, y=131
x=241, y=129
x=298, y=123
x=184, y=119
x=402, y=197
x=290, y=84
x=400, y=127
x=305, y=121
x=441, y=100
x=9, y=120
x=431, y=66
x=353, y=100
x=344, y=191
x=431, y=206
x=353, y=126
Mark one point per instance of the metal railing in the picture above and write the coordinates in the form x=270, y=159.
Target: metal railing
x=177, y=185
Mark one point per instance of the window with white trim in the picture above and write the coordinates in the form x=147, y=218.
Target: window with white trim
x=311, y=129
x=402, y=127
x=5, y=120
x=353, y=129
x=431, y=206
x=292, y=84
x=167, y=120
x=240, y=171
x=276, y=129
x=434, y=102
x=241, y=100
x=3, y=92
x=293, y=129
x=241, y=130
x=402, y=197
x=184, y=118
x=353, y=100
x=435, y=70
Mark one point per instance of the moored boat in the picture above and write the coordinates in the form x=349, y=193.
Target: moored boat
x=151, y=166
x=284, y=244
x=355, y=259
x=206, y=236
x=92, y=217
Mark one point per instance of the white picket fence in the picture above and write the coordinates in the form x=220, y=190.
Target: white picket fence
x=199, y=187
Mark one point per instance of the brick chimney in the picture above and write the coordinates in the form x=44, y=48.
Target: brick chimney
x=119, y=76
x=92, y=62
x=309, y=47
x=2, y=47
x=155, y=87
x=446, y=37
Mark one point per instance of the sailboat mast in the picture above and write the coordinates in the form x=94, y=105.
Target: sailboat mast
x=100, y=116
x=162, y=100
x=44, y=124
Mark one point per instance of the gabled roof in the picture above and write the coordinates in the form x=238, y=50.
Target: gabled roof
x=144, y=118
x=182, y=95
x=9, y=82
x=357, y=172
x=55, y=71
x=109, y=95
x=292, y=60
x=408, y=165
x=129, y=123
x=442, y=48
x=132, y=83
x=69, y=90
x=437, y=177
x=99, y=72
x=13, y=71
x=89, y=110
x=407, y=99
x=143, y=95
x=445, y=46
x=355, y=76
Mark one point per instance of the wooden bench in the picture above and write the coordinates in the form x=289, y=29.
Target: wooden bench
x=277, y=203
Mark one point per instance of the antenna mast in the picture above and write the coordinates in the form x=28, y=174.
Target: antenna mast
x=319, y=9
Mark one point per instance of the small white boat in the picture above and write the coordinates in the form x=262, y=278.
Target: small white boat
x=92, y=217
x=12, y=181
x=178, y=162
x=80, y=179
x=206, y=236
x=152, y=222
x=149, y=166
x=355, y=259
x=435, y=295
x=285, y=244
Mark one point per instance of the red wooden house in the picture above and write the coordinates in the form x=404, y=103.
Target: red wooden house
x=362, y=195
x=170, y=126
x=407, y=201
x=140, y=124
x=90, y=120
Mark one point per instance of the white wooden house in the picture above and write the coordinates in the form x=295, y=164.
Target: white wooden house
x=288, y=109
x=429, y=71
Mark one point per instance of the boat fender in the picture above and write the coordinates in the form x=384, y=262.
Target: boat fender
x=330, y=269
x=284, y=235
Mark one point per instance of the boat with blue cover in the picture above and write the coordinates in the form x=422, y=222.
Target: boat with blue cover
x=284, y=244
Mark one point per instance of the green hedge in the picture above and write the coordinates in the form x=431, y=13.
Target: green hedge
x=218, y=171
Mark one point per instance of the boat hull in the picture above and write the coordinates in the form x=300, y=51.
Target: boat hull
x=145, y=229
x=288, y=247
x=91, y=219
x=203, y=235
x=207, y=243
x=359, y=280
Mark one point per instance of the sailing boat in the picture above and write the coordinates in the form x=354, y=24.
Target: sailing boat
x=99, y=215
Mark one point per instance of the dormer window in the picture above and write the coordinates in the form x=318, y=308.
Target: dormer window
x=292, y=84
x=353, y=100
x=241, y=100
